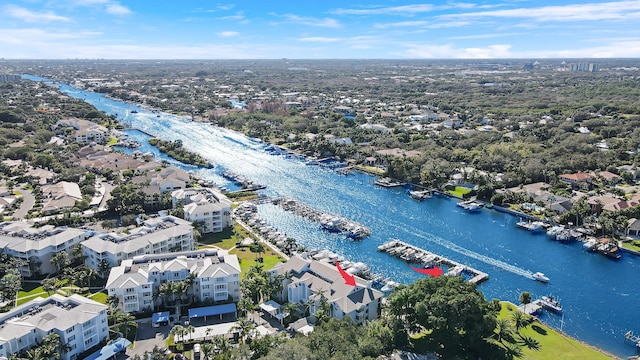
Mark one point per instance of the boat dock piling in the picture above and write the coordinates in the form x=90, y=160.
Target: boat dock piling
x=331, y=223
x=411, y=253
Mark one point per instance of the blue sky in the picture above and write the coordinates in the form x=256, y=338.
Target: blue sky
x=387, y=29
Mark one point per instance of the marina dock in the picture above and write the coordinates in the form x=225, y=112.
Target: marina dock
x=328, y=222
x=633, y=338
x=414, y=254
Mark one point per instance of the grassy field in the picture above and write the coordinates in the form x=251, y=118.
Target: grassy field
x=553, y=344
x=459, y=191
x=248, y=259
x=632, y=245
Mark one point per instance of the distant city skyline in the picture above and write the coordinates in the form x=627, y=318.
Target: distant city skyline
x=330, y=29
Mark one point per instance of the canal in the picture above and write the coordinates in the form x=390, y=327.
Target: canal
x=599, y=295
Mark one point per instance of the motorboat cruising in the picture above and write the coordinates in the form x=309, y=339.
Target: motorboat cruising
x=550, y=303
x=540, y=277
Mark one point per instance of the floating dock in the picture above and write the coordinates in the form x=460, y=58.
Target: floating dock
x=328, y=222
x=414, y=254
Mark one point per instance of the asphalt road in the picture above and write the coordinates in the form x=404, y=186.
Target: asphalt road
x=28, y=200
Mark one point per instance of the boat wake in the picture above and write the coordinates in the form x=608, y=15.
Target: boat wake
x=466, y=252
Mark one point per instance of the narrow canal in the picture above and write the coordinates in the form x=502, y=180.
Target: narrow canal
x=599, y=295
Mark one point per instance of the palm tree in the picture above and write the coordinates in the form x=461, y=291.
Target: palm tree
x=525, y=297
x=103, y=267
x=521, y=320
x=60, y=260
x=504, y=330
x=90, y=274
x=244, y=327
x=178, y=330
x=208, y=351
x=190, y=330
x=50, y=285
x=290, y=309
x=126, y=322
x=221, y=344
x=246, y=306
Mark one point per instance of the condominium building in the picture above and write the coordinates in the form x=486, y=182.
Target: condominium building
x=80, y=322
x=156, y=235
x=214, y=276
x=205, y=205
x=36, y=246
x=311, y=280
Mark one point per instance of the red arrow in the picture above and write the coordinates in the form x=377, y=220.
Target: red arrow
x=434, y=271
x=348, y=279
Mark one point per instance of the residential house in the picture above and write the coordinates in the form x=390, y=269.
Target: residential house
x=157, y=235
x=309, y=280
x=159, y=181
x=205, y=205
x=36, y=246
x=633, y=227
x=540, y=192
x=611, y=202
x=81, y=324
x=577, y=180
x=214, y=276
x=607, y=177
x=60, y=196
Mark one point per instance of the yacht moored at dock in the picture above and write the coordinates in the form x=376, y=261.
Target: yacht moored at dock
x=420, y=195
x=388, y=182
x=533, y=226
x=416, y=255
x=550, y=303
x=470, y=205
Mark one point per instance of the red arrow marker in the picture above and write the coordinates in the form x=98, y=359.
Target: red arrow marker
x=434, y=271
x=348, y=279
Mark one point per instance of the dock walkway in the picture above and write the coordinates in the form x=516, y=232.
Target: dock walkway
x=329, y=222
x=633, y=338
x=414, y=254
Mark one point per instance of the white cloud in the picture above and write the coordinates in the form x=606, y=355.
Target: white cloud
x=226, y=7
x=418, y=23
x=237, y=16
x=320, y=39
x=449, y=51
x=117, y=9
x=483, y=36
x=390, y=10
x=621, y=10
x=228, y=33
x=29, y=16
x=310, y=21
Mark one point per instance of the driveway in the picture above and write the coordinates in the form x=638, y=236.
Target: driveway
x=147, y=337
x=28, y=200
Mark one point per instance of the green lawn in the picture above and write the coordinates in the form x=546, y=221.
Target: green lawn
x=248, y=259
x=632, y=245
x=553, y=344
x=25, y=296
x=100, y=297
x=459, y=191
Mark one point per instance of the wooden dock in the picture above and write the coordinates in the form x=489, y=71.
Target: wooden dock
x=414, y=254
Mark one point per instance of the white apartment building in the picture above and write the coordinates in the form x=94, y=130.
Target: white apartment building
x=80, y=322
x=216, y=277
x=38, y=245
x=86, y=131
x=311, y=279
x=157, y=235
x=205, y=205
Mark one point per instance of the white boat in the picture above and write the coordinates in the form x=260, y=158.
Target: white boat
x=470, y=205
x=540, y=277
x=550, y=303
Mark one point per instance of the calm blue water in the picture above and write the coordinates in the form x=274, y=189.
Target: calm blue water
x=599, y=295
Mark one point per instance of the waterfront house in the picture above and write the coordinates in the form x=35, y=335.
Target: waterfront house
x=308, y=281
x=213, y=275
x=81, y=324
x=85, y=132
x=633, y=227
